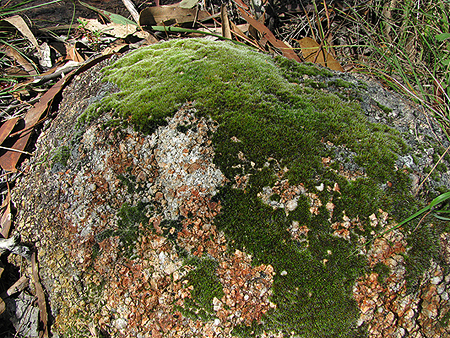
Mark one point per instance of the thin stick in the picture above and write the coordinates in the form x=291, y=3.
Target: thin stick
x=17, y=150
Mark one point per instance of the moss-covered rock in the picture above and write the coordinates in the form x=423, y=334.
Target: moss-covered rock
x=245, y=195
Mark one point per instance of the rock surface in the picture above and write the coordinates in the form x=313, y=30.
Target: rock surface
x=191, y=228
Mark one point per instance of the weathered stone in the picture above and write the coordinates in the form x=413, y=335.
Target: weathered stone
x=205, y=156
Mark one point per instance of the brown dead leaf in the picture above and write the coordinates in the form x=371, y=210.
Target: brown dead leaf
x=114, y=29
x=240, y=29
x=22, y=27
x=14, y=71
x=242, y=5
x=14, y=54
x=72, y=53
x=6, y=128
x=43, y=316
x=5, y=220
x=313, y=52
x=152, y=16
x=148, y=37
x=267, y=34
x=111, y=17
x=438, y=94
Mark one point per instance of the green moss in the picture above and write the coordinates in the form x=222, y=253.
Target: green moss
x=382, y=270
x=311, y=293
x=426, y=247
x=206, y=286
x=294, y=71
x=387, y=110
x=130, y=217
x=445, y=320
x=132, y=221
x=340, y=83
x=129, y=181
x=257, y=99
x=61, y=156
x=442, y=168
x=314, y=84
x=245, y=331
x=363, y=85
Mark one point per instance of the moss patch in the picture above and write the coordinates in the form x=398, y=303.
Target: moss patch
x=205, y=286
x=132, y=221
x=60, y=157
x=280, y=125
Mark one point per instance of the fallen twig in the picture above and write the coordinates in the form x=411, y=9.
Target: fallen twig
x=43, y=315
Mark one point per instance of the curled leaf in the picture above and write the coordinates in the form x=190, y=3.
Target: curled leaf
x=22, y=27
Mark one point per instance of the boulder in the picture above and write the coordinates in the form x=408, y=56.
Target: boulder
x=202, y=189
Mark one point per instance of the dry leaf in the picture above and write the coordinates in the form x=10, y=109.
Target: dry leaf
x=22, y=27
x=9, y=159
x=57, y=71
x=2, y=305
x=72, y=53
x=6, y=216
x=45, y=60
x=14, y=54
x=116, y=48
x=152, y=16
x=215, y=30
x=112, y=17
x=242, y=5
x=14, y=71
x=240, y=29
x=17, y=287
x=312, y=52
x=146, y=36
x=7, y=127
x=117, y=30
x=266, y=33
x=438, y=94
